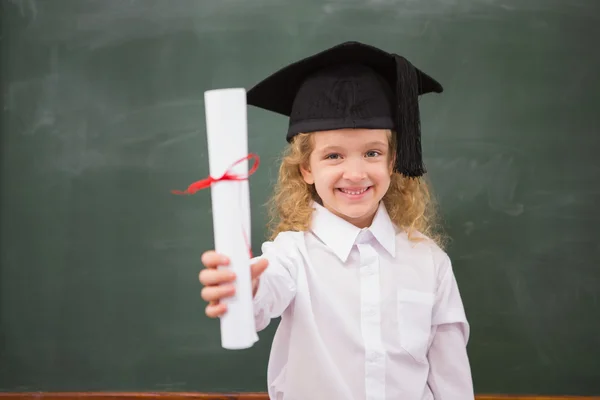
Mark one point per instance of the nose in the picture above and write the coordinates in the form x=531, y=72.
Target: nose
x=355, y=170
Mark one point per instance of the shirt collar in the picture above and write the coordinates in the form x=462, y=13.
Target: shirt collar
x=340, y=235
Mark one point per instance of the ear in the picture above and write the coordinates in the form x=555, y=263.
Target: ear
x=307, y=175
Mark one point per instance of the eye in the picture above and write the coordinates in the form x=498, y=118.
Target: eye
x=332, y=156
x=373, y=153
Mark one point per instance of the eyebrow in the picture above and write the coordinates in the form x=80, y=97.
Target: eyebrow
x=376, y=143
x=330, y=148
x=333, y=147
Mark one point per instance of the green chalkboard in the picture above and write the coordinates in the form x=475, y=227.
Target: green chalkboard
x=103, y=115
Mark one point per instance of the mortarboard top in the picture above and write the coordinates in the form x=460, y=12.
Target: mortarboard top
x=351, y=85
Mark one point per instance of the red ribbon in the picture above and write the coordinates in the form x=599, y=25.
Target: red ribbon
x=227, y=176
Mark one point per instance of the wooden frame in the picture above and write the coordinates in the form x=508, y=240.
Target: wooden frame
x=220, y=396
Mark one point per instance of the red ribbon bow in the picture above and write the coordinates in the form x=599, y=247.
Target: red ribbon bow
x=227, y=176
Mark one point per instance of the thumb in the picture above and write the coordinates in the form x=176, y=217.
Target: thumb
x=258, y=268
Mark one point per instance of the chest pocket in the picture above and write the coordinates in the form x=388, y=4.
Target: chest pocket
x=414, y=322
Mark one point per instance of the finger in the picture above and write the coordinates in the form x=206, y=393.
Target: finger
x=213, y=293
x=259, y=267
x=216, y=310
x=215, y=276
x=212, y=259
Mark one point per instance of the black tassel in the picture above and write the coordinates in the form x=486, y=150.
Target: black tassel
x=409, y=161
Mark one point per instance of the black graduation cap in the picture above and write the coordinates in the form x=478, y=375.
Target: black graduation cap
x=351, y=85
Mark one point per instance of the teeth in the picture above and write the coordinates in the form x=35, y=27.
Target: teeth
x=354, y=192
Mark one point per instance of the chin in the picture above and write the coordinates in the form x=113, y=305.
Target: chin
x=357, y=212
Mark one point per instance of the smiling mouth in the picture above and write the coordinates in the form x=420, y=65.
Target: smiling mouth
x=354, y=192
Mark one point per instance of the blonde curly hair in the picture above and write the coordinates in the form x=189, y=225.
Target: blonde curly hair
x=408, y=201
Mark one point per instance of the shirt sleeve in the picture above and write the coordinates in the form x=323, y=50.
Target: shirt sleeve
x=450, y=372
x=277, y=285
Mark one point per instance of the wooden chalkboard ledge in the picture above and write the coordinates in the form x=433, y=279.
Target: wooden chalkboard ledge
x=220, y=396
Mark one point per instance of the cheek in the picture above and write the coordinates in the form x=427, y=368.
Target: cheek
x=326, y=176
x=381, y=176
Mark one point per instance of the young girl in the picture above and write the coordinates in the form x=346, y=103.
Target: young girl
x=369, y=304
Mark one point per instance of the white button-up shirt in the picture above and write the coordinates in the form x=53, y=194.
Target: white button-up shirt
x=365, y=314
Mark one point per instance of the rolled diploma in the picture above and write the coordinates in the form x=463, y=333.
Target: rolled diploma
x=227, y=136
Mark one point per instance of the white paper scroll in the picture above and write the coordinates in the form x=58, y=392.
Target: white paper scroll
x=227, y=134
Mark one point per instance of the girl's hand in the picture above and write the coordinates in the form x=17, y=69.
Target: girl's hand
x=218, y=283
